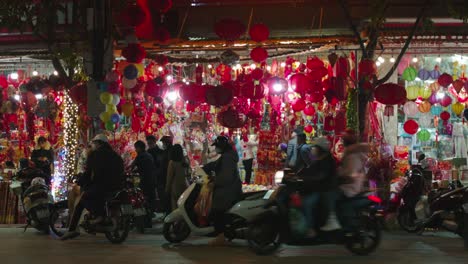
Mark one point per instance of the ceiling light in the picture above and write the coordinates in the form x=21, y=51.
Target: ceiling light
x=253, y=66
x=439, y=59
x=35, y=73
x=210, y=66
x=378, y=63
x=17, y=97
x=169, y=78
x=277, y=87
x=392, y=60
x=268, y=68
x=160, y=69
x=55, y=73
x=283, y=64
x=14, y=76
x=172, y=96
x=38, y=96
x=415, y=59
x=381, y=59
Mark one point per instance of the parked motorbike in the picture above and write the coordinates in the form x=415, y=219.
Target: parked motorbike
x=445, y=208
x=137, y=200
x=274, y=227
x=183, y=221
x=37, y=202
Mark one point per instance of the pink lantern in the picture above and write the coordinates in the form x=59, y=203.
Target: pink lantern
x=411, y=109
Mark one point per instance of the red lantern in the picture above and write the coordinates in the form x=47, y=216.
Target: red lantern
x=367, y=67
x=259, y=32
x=160, y=5
x=252, y=90
x=161, y=59
x=445, y=80
x=342, y=68
x=411, y=127
x=229, y=29
x=390, y=94
x=309, y=110
x=458, y=85
x=133, y=15
x=277, y=85
x=257, y=74
x=445, y=101
x=153, y=89
x=338, y=84
x=224, y=72
x=231, y=118
x=259, y=54
x=193, y=92
x=317, y=74
x=308, y=129
x=161, y=34
x=134, y=53
x=316, y=96
x=314, y=63
x=340, y=122
x=300, y=83
x=235, y=86
x=298, y=105
x=218, y=96
x=445, y=115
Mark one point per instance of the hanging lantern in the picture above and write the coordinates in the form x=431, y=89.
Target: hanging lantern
x=133, y=15
x=435, y=74
x=434, y=86
x=257, y=74
x=298, y=105
x=338, y=84
x=433, y=99
x=425, y=120
x=259, y=54
x=446, y=100
x=252, y=90
x=411, y=127
x=458, y=85
x=229, y=57
x=390, y=94
x=412, y=92
x=411, y=109
x=409, y=74
x=300, y=83
x=231, y=118
x=425, y=92
x=457, y=108
x=342, y=67
x=218, y=96
x=424, y=74
x=367, y=67
x=436, y=110
x=309, y=110
x=424, y=135
x=259, y=32
x=424, y=107
x=445, y=80
x=314, y=63
x=462, y=96
x=445, y=115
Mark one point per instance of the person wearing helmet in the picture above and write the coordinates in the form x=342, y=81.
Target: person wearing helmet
x=227, y=189
x=103, y=176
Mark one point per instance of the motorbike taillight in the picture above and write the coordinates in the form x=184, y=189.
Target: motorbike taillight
x=374, y=199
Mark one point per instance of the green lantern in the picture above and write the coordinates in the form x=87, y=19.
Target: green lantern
x=409, y=74
x=110, y=126
x=424, y=135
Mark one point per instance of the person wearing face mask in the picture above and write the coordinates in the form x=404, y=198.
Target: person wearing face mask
x=227, y=189
x=43, y=157
x=104, y=175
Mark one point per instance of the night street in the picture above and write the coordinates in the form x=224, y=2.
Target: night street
x=31, y=247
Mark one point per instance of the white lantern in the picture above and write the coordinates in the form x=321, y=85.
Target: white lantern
x=410, y=109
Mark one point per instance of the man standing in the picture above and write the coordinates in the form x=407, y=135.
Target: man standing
x=156, y=152
x=145, y=166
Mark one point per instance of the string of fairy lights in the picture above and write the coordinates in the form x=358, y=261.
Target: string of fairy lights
x=70, y=138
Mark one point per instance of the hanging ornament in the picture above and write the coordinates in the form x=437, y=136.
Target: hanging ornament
x=259, y=32
x=424, y=74
x=411, y=127
x=424, y=135
x=411, y=109
x=445, y=80
x=458, y=85
x=259, y=54
x=229, y=57
x=298, y=105
x=446, y=100
x=412, y=92
x=436, y=110
x=409, y=74
x=390, y=94
x=424, y=107
x=425, y=92
x=425, y=120
x=445, y=116
x=457, y=108
x=229, y=29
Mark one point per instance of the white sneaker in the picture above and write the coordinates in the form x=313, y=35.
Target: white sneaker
x=332, y=223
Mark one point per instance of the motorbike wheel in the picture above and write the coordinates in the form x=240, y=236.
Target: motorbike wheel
x=139, y=222
x=406, y=221
x=58, y=224
x=263, y=237
x=176, y=232
x=121, y=232
x=366, y=238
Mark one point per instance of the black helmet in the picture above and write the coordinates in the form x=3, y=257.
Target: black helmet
x=221, y=142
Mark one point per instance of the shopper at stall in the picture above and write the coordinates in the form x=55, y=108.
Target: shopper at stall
x=303, y=153
x=146, y=169
x=292, y=148
x=43, y=157
x=177, y=172
x=161, y=180
x=103, y=176
x=227, y=185
x=248, y=155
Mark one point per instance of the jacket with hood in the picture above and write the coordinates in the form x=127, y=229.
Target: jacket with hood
x=353, y=169
x=227, y=184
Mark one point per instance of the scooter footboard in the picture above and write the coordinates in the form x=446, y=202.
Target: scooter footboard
x=176, y=215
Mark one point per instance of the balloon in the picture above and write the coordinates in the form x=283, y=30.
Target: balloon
x=131, y=72
x=129, y=84
x=110, y=108
x=105, y=97
x=110, y=126
x=104, y=116
x=115, y=118
x=115, y=99
x=127, y=109
x=141, y=69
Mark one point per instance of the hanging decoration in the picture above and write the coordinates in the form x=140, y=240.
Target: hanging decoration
x=70, y=116
x=424, y=107
x=259, y=54
x=411, y=127
x=409, y=74
x=411, y=109
x=259, y=32
x=390, y=94
x=424, y=135
x=445, y=80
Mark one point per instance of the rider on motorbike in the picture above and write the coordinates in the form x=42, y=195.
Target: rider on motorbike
x=103, y=176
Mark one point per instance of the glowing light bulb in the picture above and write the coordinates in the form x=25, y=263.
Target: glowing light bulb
x=160, y=69
x=415, y=59
x=253, y=66
x=210, y=66
x=55, y=73
x=172, y=96
x=35, y=73
x=378, y=63
x=184, y=80
x=14, y=76
x=277, y=87
x=169, y=78
x=439, y=59
x=38, y=96
x=381, y=59
x=283, y=64
x=17, y=97
x=392, y=60
x=238, y=66
x=268, y=68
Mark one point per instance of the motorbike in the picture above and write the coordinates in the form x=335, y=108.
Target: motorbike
x=183, y=221
x=277, y=225
x=137, y=200
x=445, y=208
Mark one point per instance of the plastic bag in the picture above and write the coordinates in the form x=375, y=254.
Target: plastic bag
x=204, y=201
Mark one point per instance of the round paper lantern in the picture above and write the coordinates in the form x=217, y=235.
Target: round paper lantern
x=367, y=67
x=259, y=54
x=127, y=109
x=433, y=99
x=445, y=80
x=434, y=86
x=309, y=110
x=308, y=129
x=435, y=74
x=390, y=94
x=298, y=105
x=445, y=115
x=412, y=92
x=300, y=83
x=134, y=53
x=409, y=74
x=218, y=96
x=106, y=98
x=130, y=72
x=252, y=90
x=259, y=32
x=193, y=93
x=446, y=100
x=411, y=109
x=257, y=74
x=458, y=85
x=436, y=110
x=317, y=74
x=425, y=92
x=457, y=108
x=162, y=6
x=133, y=15
x=424, y=107
x=229, y=29
x=277, y=85
x=129, y=84
x=314, y=63
x=424, y=74
x=424, y=135
x=425, y=120
x=411, y=127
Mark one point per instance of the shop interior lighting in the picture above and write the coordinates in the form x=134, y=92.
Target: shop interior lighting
x=283, y=64
x=277, y=87
x=38, y=96
x=268, y=68
x=169, y=78
x=253, y=66
x=172, y=96
x=378, y=63
x=381, y=59
x=415, y=59
x=238, y=66
x=439, y=59
x=160, y=69
x=55, y=73
x=17, y=97
x=35, y=73
x=184, y=80
x=392, y=59
x=440, y=94
x=14, y=76
x=210, y=66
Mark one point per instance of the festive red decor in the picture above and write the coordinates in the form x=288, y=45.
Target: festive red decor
x=458, y=85
x=300, y=83
x=259, y=32
x=3, y=81
x=390, y=94
x=252, y=90
x=259, y=54
x=298, y=105
x=229, y=29
x=338, y=84
x=218, y=96
x=314, y=63
x=445, y=80
x=445, y=115
x=154, y=90
x=79, y=94
x=411, y=127
x=309, y=110
x=367, y=67
x=332, y=58
x=342, y=67
x=133, y=15
x=193, y=92
x=257, y=74
x=224, y=72
x=161, y=6
x=161, y=34
x=317, y=74
x=134, y=53
x=232, y=118
x=161, y=59
x=277, y=85
x=308, y=129
x=445, y=101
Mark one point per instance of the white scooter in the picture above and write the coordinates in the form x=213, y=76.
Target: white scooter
x=183, y=221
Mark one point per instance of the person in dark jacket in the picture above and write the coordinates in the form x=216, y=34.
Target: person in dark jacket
x=103, y=176
x=227, y=189
x=162, y=174
x=27, y=173
x=146, y=169
x=303, y=156
x=43, y=157
x=156, y=152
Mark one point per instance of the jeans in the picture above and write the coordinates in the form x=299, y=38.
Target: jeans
x=248, y=169
x=309, y=205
